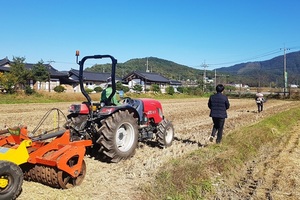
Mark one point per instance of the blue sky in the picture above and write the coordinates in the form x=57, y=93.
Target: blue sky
x=219, y=33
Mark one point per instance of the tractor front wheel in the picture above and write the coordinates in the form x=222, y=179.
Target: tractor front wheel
x=165, y=133
x=118, y=136
x=11, y=180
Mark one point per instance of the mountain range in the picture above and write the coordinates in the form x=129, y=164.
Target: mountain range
x=264, y=73
x=258, y=73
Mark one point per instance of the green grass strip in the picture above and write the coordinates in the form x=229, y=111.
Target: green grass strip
x=191, y=177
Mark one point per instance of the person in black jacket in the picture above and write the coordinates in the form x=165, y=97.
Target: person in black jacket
x=218, y=105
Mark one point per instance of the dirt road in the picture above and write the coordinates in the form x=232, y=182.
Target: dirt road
x=122, y=180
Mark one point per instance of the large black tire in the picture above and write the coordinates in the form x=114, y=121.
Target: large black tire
x=165, y=133
x=12, y=175
x=118, y=136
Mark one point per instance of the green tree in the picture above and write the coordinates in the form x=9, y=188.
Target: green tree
x=98, y=89
x=40, y=72
x=8, y=82
x=119, y=86
x=180, y=89
x=155, y=88
x=19, y=71
x=230, y=88
x=137, y=88
x=28, y=90
x=194, y=90
x=170, y=90
x=125, y=89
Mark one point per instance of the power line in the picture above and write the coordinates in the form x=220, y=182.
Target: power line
x=250, y=58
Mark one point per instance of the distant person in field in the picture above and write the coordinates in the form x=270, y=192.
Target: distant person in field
x=259, y=102
x=218, y=105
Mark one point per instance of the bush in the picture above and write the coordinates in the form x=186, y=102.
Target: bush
x=194, y=91
x=125, y=89
x=170, y=90
x=137, y=88
x=29, y=90
x=59, y=89
x=88, y=90
x=155, y=88
x=180, y=89
x=120, y=86
x=98, y=89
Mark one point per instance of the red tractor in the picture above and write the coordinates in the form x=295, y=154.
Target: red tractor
x=116, y=130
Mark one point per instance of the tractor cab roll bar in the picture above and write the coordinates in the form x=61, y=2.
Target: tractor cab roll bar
x=81, y=78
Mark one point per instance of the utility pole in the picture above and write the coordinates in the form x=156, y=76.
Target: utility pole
x=147, y=70
x=215, y=78
x=204, y=75
x=284, y=70
x=49, y=73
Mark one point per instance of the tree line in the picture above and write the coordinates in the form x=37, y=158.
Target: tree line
x=18, y=78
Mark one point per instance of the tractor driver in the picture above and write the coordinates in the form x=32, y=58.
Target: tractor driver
x=106, y=93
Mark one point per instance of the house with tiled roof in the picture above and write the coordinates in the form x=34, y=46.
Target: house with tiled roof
x=90, y=79
x=4, y=64
x=146, y=79
x=56, y=77
x=70, y=79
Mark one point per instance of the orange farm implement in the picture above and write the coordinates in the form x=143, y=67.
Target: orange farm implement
x=51, y=158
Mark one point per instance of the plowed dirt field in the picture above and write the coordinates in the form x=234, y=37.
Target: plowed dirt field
x=192, y=125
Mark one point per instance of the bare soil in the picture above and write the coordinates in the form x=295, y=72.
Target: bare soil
x=274, y=176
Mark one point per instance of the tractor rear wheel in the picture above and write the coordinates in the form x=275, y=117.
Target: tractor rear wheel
x=165, y=133
x=118, y=136
x=11, y=180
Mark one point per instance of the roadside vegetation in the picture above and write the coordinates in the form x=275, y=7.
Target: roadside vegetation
x=51, y=97
x=15, y=88
x=203, y=173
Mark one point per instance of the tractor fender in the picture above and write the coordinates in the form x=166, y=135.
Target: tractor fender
x=109, y=110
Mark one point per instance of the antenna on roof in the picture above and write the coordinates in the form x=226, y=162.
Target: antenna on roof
x=50, y=61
